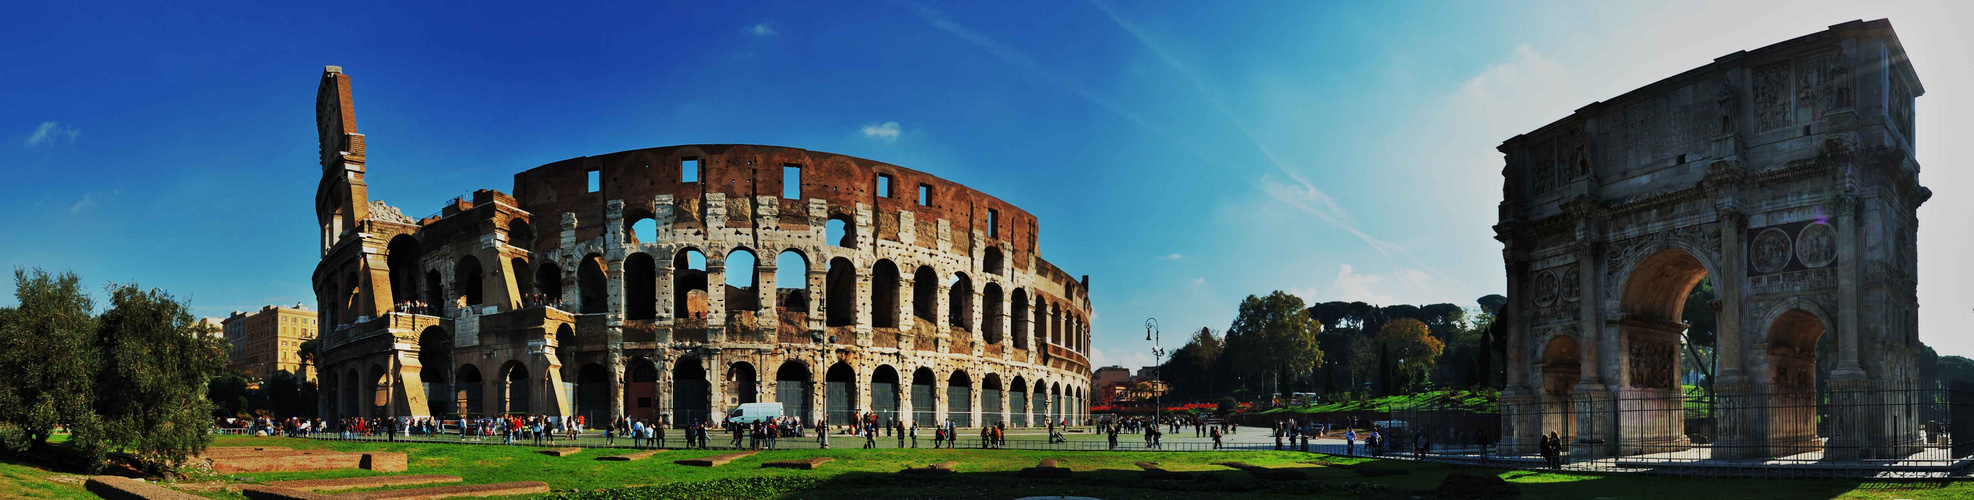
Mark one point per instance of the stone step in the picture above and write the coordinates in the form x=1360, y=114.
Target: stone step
x=363, y=482
x=715, y=460
x=803, y=464
x=560, y=452
x=464, y=490
x=631, y=456
x=267, y=492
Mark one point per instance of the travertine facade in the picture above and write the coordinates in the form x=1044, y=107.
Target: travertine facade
x=601, y=288
x=1786, y=174
x=269, y=340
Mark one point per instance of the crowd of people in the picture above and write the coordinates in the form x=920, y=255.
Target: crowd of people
x=416, y=307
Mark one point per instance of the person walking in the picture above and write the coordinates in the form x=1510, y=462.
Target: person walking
x=914, y=432
x=1350, y=442
x=870, y=435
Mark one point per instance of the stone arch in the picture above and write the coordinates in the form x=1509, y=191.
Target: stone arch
x=840, y=231
x=1055, y=402
x=840, y=293
x=689, y=286
x=548, y=282
x=884, y=287
x=640, y=225
x=352, y=396
x=742, y=382
x=995, y=318
x=692, y=393
x=435, y=295
x=402, y=255
x=523, y=278
x=990, y=399
x=925, y=294
x=593, y=393
x=743, y=280
x=466, y=390
x=379, y=383
x=435, y=357
x=1651, y=301
x=1562, y=367
x=593, y=284
x=514, y=388
x=640, y=287
x=792, y=281
x=959, y=398
x=840, y=393
x=566, y=348
x=994, y=262
x=884, y=392
x=925, y=396
x=466, y=277
x=1039, y=405
x=1018, y=401
x=1793, y=330
x=641, y=390
x=959, y=296
x=1018, y=305
x=792, y=389
x=520, y=234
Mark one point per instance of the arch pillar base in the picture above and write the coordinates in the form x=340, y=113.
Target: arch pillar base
x=1649, y=420
x=1521, y=422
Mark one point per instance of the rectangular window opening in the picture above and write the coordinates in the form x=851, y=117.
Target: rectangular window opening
x=884, y=185
x=791, y=182
x=595, y=180
x=924, y=195
x=689, y=170
x=993, y=223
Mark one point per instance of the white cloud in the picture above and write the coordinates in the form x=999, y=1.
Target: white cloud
x=48, y=133
x=1171, y=256
x=1349, y=286
x=88, y=201
x=761, y=29
x=1199, y=281
x=887, y=131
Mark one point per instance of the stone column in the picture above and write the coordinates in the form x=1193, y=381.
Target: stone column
x=907, y=310
x=864, y=305
x=1729, y=288
x=1850, y=242
x=818, y=289
x=615, y=359
x=1521, y=417
x=767, y=316
x=716, y=298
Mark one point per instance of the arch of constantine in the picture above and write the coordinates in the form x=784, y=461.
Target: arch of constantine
x=1785, y=175
x=675, y=283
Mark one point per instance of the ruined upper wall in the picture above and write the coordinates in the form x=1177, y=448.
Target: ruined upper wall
x=1761, y=107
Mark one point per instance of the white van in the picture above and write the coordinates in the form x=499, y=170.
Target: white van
x=749, y=413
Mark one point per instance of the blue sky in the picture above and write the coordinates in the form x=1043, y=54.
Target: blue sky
x=1183, y=154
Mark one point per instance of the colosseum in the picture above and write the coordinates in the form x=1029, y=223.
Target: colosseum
x=644, y=283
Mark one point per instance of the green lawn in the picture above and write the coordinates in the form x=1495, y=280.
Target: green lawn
x=868, y=474
x=1446, y=399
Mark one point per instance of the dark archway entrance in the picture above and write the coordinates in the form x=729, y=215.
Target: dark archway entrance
x=641, y=391
x=792, y=390
x=692, y=399
x=840, y=394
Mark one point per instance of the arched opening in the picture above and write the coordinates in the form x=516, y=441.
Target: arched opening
x=1055, y=402
x=548, y=283
x=884, y=393
x=435, y=361
x=990, y=399
x=565, y=351
x=840, y=393
x=380, y=391
x=840, y=299
x=792, y=282
x=743, y=291
x=641, y=391
x=520, y=234
x=435, y=295
x=994, y=263
x=742, y=383
x=593, y=285
x=925, y=409
x=1055, y=324
x=1018, y=402
x=840, y=232
x=1651, y=304
x=642, y=229
x=466, y=393
x=1019, y=307
x=1792, y=422
x=959, y=399
x=925, y=295
x=1561, y=368
x=514, y=389
x=1040, y=404
x=689, y=285
x=593, y=393
x=792, y=390
x=692, y=394
x=353, y=403
x=959, y=296
x=466, y=276
x=884, y=294
x=994, y=319
x=402, y=255
x=640, y=287
x=523, y=280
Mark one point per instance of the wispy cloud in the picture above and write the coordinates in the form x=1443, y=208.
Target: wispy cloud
x=1171, y=256
x=887, y=131
x=88, y=201
x=49, y=133
x=761, y=29
x=1199, y=281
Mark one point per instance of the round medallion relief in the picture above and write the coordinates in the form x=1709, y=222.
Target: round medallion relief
x=1816, y=245
x=1545, y=288
x=1771, y=251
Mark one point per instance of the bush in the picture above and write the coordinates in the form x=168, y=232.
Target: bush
x=1227, y=405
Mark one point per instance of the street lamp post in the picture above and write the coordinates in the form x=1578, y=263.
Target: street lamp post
x=1158, y=353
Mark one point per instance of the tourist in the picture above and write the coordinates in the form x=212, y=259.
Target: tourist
x=1216, y=438
x=870, y=435
x=1419, y=446
x=1350, y=442
x=914, y=432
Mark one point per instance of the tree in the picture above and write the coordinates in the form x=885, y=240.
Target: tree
x=1701, y=333
x=1275, y=335
x=46, y=359
x=229, y=395
x=159, y=360
x=1410, y=350
x=305, y=353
